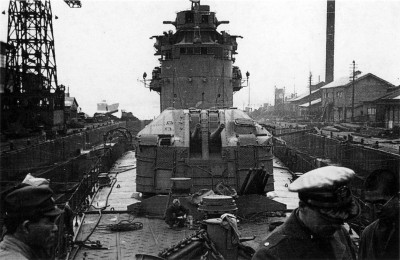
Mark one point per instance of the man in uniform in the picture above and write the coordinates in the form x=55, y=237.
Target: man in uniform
x=175, y=214
x=30, y=222
x=314, y=230
x=380, y=239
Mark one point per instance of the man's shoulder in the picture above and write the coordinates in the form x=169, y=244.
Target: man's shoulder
x=170, y=208
x=274, y=240
x=9, y=249
x=280, y=246
x=270, y=246
x=183, y=208
x=370, y=228
x=11, y=254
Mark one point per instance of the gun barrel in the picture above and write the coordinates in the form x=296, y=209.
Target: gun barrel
x=196, y=132
x=217, y=133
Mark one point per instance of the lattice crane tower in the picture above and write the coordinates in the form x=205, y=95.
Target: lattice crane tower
x=31, y=88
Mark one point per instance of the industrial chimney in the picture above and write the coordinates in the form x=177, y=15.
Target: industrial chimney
x=330, y=40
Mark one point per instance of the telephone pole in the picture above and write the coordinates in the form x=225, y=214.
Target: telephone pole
x=309, y=97
x=352, y=96
x=354, y=75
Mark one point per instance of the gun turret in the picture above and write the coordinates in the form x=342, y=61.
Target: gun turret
x=196, y=133
x=217, y=133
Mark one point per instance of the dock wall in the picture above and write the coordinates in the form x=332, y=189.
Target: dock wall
x=302, y=151
x=38, y=157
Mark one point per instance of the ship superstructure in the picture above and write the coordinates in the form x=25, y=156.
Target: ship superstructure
x=196, y=62
x=197, y=135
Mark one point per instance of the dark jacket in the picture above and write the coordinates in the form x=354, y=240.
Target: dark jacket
x=380, y=240
x=293, y=240
x=173, y=212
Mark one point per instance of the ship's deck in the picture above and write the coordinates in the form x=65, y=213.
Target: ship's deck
x=155, y=235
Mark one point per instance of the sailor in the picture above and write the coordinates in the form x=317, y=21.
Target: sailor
x=380, y=239
x=30, y=222
x=175, y=215
x=314, y=230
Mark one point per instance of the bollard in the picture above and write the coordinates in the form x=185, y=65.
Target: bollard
x=190, y=219
x=222, y=237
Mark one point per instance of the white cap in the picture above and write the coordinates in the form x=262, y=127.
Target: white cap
x=320, y=178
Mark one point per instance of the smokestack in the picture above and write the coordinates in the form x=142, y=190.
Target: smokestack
x=330, y=40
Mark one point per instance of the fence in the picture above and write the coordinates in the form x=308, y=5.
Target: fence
x=77, y=201
x=302, y=152
x=39, y=156
x=305, y=151
x=73, y=175
x=74, y=183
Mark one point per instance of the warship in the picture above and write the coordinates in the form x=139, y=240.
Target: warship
x=200, y=149
x=199, y=134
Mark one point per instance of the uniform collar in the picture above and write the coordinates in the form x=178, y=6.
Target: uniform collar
x=296, y=227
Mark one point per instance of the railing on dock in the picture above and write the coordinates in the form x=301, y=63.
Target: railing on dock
x=302, y=151
x=35, y=157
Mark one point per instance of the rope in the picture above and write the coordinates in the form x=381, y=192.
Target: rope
x=125, y=225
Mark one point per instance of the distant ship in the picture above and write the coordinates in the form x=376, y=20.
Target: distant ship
x=105, y=108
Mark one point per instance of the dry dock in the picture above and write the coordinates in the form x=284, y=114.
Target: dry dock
x=155, y=234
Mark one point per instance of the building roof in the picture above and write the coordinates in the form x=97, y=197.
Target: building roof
x=346, y=81
x=313, y=102
x=301, y=96
x=69, y=101
x=393, y=96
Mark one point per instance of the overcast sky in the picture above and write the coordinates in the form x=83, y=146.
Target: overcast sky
x=103, y=48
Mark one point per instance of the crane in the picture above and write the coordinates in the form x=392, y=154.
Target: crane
x=32, y=96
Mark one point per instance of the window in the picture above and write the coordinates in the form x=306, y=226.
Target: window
x=189, y=17
x=2, y=61
x=196, y=50
x=204, y=19
x=227, y=54
x=371, y=111
x=167, y=55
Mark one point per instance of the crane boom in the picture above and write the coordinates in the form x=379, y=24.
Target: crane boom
x=73, y=3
